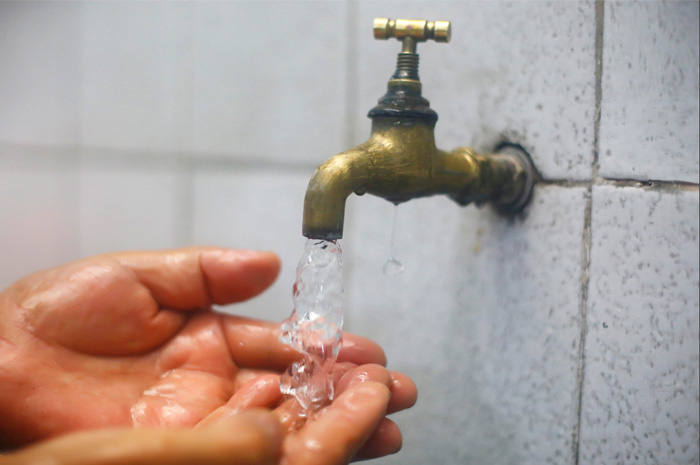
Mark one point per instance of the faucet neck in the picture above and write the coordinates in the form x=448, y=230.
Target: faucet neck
x=403, y=98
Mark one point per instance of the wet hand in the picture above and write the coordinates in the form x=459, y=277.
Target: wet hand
x=127, y=339
x=353, y=427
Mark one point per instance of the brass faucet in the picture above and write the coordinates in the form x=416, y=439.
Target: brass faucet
x=400, y=161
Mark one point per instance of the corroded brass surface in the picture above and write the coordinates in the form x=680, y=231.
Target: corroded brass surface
x=418, y=29
x=400, y=162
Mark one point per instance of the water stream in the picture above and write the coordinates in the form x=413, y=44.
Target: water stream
x=315, y=326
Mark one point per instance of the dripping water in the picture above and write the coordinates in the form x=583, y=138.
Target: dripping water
x=393, y=267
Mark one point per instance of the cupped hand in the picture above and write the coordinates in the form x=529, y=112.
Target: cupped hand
x=128, y=339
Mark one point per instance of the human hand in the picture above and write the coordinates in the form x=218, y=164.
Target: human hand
x=127, y=338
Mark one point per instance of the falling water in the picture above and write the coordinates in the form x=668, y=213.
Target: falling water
x=314, y=327
x=393, y=267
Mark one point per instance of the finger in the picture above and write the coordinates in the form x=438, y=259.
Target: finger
x=385, y=440
x=360, y=350
x=249, y=438
x=403, y=392
x=246, y=375
x=340, y=370
x=293, y=416
x=403, y=389
x=345, y=375
x=94, y=306
x=263, y=392
x=361, y=374
x=255, y=344
x=339, y=431
x=192, y=278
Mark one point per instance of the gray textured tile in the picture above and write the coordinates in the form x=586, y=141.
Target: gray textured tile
x=254, y=209
x=40, y=72
x=270, y=80
x=485, y=318
x=138, y=75
x=518, y=70
x=649, y=113
x=640, y=401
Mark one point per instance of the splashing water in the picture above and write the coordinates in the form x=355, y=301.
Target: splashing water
x=314, y=327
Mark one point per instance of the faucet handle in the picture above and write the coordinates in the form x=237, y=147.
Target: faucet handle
x=404, y=87
x=417, y=29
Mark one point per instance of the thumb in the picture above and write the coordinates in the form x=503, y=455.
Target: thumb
x=197, y=277
x=253, y=437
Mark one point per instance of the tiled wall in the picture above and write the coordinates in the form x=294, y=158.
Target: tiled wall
x=566, y=336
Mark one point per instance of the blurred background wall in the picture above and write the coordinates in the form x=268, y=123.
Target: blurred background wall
x=567, y=336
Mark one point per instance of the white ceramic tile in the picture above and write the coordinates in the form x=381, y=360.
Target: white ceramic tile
x=39, y=205
x=485, y=318
x=270, y=80
x=640, y=401
x=131, y=205
x=649, y=113
x=138, y=75
x=524, y=71
x=40, y=68
x=254, y=209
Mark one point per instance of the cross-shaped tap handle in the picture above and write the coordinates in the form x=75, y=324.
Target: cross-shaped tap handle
x=415, y=30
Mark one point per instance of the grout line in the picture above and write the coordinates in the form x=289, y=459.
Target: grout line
x=185, y=167
x=651, y=184
x=135, y=158
x=214, y=162
x=563, y=183
x=185, y=191
x=586, y=241
x=186, y=172
x=80, y=132
x=351, y=74
x=200, y=160
x=351, y=111
x=587, y=236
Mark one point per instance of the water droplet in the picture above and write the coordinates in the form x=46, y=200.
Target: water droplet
x=392, y=267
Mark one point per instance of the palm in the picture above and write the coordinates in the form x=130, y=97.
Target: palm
x=176, y=383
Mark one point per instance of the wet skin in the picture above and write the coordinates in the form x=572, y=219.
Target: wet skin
x=125, y=340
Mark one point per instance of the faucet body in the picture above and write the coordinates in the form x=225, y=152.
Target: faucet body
x=400, y=161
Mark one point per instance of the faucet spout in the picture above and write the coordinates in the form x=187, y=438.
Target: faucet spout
x=389, y=165
x=330, y=186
